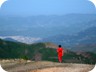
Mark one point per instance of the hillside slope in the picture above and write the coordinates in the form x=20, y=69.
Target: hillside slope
x=41, y=51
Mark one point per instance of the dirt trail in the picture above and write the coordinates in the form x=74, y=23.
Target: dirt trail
x=44, y=66
x=62, y=69
x=74, y=68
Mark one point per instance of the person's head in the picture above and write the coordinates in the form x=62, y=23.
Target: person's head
x=59, y=46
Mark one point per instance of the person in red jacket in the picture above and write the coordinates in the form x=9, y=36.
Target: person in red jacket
x=60, y=52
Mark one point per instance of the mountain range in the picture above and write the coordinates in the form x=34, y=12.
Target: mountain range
x=45, y=26
x=81, y=41
x=76, y=32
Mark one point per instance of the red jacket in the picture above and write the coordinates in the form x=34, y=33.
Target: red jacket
x=60, y=51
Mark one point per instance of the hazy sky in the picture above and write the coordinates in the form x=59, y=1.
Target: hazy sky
x=47, y=7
